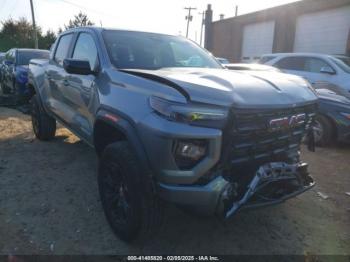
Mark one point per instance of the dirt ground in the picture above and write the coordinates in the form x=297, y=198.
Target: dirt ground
x=49, y=204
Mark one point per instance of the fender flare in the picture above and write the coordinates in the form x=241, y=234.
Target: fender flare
x=37, y=92
x=123, y=124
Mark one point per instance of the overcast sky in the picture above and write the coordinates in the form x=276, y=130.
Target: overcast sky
x=167, y=16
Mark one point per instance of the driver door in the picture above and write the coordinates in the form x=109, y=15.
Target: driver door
x=80, y=90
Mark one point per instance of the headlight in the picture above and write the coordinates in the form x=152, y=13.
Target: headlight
x=188, y=113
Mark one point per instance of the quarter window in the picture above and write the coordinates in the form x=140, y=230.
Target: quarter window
x=62, y=48
x=85, y=49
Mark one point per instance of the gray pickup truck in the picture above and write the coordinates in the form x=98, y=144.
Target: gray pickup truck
x=170, y=124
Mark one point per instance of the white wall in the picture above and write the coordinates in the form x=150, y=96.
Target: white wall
x=323, y=32
x=257, y=40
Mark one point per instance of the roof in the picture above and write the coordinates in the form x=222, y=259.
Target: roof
x=297, y=54
x=100, y=29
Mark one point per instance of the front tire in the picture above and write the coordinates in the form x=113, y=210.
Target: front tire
x=44, y=126
x=127, y=194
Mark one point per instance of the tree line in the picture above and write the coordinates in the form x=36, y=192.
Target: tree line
x=19, y=33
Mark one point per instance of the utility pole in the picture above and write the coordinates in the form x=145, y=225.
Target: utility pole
x=236, y=10
x=189, y=18
x=34, y=26
x=202, y=26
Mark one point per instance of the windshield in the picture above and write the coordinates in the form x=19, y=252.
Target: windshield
x=341, y=64
x=139, y=50
x=265, y=59
x=24, y=57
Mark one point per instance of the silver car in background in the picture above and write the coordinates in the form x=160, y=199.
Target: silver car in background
x=313, y=67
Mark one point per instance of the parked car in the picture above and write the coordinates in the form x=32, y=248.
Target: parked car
x=211, y=140
x=14, y=72
x=222, y=60
x=313, y=67
x=333, y=119
x=253, y=67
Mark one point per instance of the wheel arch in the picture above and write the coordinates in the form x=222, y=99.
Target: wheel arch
x=110, y=127
x=32, y=89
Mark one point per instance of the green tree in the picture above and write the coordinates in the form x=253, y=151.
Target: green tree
x=79, y=20
x=19, y=33
x=45, y=41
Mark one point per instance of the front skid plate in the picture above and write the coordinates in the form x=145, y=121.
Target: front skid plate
x=268, y=174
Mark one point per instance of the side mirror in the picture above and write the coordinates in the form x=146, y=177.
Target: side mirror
x=79, y=67
x=327, y=70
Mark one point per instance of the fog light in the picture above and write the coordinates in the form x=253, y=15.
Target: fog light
x=189, y=152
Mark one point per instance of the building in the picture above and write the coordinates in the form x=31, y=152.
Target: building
x=321, y=26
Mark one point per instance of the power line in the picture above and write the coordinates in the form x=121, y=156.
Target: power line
x=3, y=4
x=85, y=8
x=13, y=7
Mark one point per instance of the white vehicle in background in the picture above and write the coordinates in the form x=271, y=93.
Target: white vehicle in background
x=313, y=67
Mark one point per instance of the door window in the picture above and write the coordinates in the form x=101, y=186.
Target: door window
x=62, y=48
x=299, y=63
x=291, y=63
x=85, y=49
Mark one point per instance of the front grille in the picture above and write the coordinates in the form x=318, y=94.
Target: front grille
x=251, y=140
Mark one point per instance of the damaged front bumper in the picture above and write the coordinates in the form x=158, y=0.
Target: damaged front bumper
x=272, y=183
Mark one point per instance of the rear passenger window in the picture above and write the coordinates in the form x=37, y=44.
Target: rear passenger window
x=62, y=48
x=291, y=63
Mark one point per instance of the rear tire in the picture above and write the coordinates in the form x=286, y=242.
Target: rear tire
x=128, y=196
x=323, y=131
x=44, y=126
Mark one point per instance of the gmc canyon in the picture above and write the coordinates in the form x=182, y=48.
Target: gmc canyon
x=168, y=122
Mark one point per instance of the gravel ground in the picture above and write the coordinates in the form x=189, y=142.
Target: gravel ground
x=49, y=204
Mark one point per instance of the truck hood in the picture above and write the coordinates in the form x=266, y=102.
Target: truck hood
x=239, y=89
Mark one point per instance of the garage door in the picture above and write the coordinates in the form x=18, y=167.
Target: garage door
x=323, y=32
x=257, y=40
